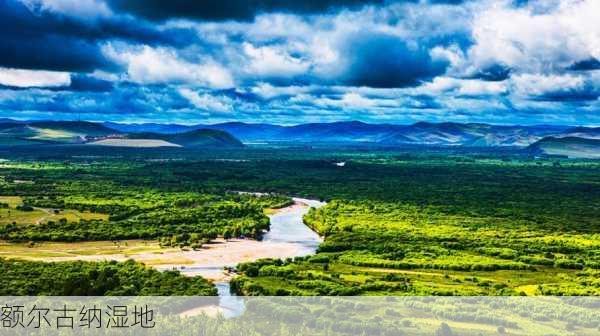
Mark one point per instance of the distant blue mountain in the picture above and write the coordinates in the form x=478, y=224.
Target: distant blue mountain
x=350, y=132
x=151, y=127
x=421, y=133
x=250, y=132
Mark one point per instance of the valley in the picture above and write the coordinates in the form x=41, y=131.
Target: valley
x=397, y=221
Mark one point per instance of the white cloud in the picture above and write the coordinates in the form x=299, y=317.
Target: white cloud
x=81, y=8
x=273, y=61
x=33, y=78
x=286, y=45
x=481, y=88
x=103, y=75
x=269, y=27
x=462, y=87
x=350, y=100
x=529, y=41
x=537, y=40
x=207, y=102
x=268, y=91
x=438, y=85
x=148, y=65
x=355, y=100
x=536, y=85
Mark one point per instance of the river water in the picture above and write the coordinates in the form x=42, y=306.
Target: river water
x=287, y=226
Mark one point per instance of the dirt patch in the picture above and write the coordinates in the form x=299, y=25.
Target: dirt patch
x=208, y=261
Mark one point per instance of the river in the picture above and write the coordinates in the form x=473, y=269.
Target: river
x=289, y=237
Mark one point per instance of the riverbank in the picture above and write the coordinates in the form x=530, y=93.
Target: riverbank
x=288, y=237
x=208, y=261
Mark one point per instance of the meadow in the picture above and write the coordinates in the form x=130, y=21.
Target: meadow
x=398, y=221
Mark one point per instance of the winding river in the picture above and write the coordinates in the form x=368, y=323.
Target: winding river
x=287, y=226
x=288, y=237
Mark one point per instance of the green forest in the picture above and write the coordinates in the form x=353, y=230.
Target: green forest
x=398, y=221
x=95, y=279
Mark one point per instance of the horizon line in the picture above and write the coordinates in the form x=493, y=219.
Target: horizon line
x=293, y=125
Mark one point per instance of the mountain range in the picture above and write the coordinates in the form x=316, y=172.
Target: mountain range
x=421, y=133
x=541, y=138
x=13, y=133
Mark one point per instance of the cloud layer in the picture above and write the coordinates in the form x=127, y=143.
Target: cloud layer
x=497, y=61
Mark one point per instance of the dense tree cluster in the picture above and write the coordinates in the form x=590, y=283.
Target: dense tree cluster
x=95, y=279
x=178, y=219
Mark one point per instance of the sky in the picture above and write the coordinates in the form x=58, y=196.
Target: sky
x=290, y=62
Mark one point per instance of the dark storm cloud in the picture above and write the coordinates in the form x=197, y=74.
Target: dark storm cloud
x=586, y=65
x=385, y=61
x=587, y=92
x=494, y=73
x=218, y=10
x=89, y=84
x=51, y=52
x=17, y=18
x=41, y=39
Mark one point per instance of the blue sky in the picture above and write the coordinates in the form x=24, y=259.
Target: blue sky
x=289, y=62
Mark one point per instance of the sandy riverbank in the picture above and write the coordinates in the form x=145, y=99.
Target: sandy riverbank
x=208, y=261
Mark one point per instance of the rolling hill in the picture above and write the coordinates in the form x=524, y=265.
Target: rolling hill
x=81, y=132
x=583, y=132
x=13, y=133
x=421, y=133
x=247, y=132
x=572, y=147
x=195, y=138
x=55, y=132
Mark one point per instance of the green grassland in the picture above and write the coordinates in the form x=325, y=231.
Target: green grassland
x=96, y=211
x=10, y=213
x=403, y=222
x=23, y=135
x=46, y=134
x=376, y=248
x=437, y=227
x=41, y=251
